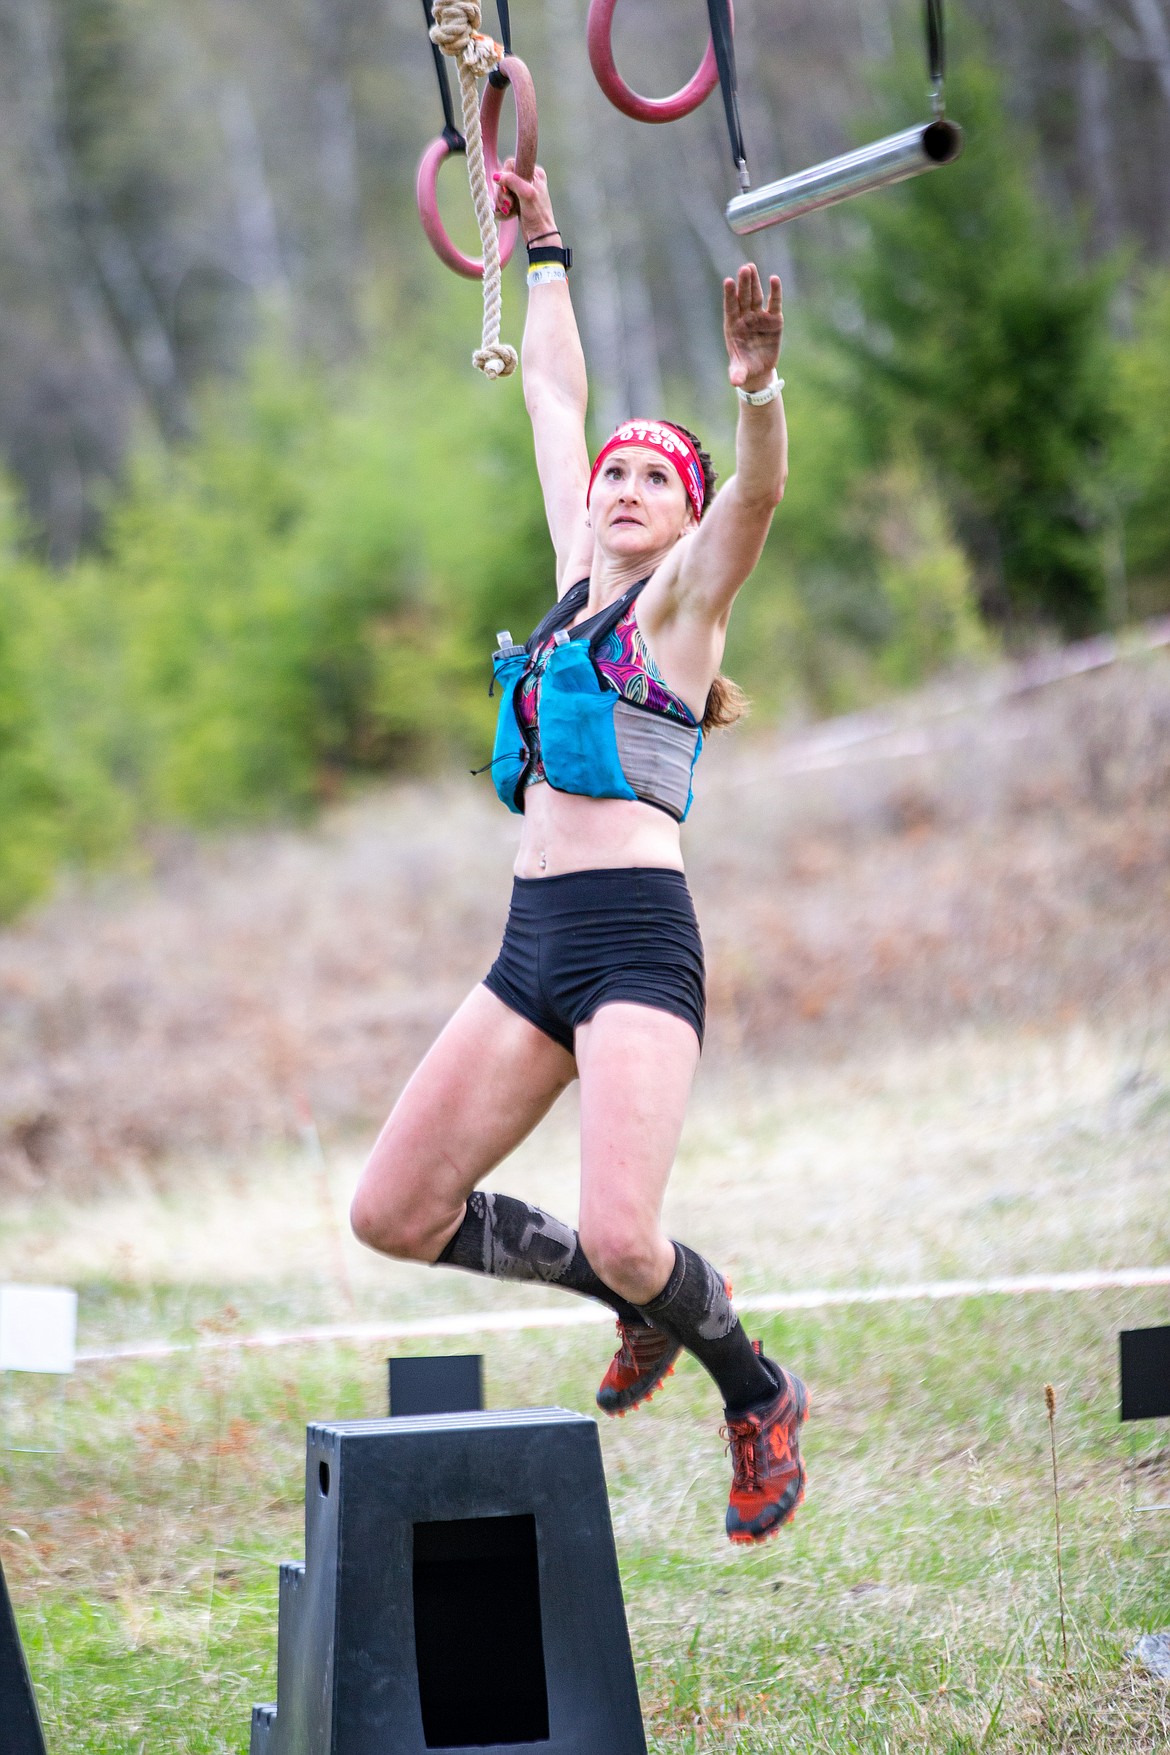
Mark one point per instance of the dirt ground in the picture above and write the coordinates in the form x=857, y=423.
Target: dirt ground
x=999, y=859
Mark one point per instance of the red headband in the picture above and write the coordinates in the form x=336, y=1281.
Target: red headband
x=655, y=435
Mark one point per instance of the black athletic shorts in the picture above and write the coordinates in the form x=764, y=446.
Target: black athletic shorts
x=582, y=940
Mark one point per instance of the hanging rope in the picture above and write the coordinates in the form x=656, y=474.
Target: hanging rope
x=456, y=32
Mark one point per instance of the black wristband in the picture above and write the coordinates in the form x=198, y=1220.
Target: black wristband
x=550, y=253
x=539, y=237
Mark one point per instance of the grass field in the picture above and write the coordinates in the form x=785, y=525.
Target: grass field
x=913, y=1606
x=939, y=1047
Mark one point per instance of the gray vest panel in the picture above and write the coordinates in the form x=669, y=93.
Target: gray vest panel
x=657, y=755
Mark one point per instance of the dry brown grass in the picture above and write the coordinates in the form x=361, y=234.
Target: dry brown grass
x=1007, y=863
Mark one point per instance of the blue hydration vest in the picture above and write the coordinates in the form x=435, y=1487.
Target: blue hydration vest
x=593, y=741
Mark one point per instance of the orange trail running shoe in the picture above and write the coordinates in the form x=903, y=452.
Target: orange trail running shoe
x=767, y=1481
x=644, y=1360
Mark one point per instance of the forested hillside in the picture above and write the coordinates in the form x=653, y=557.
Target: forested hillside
x=263, y=519
x=170, y=170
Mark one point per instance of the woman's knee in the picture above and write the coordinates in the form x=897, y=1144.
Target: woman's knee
x=626, y=1255
x=404, y=1229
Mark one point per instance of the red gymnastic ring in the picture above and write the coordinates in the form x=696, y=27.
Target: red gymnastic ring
x=524, y=92
x=492, y=104
x=667, y=109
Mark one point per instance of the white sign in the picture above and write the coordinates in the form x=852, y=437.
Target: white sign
x=38, y=1328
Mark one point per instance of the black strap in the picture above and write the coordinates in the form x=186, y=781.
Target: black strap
x=570, y=605
x=562, y=611
x=495, y=77
x=606, y=620
x=451, y=134
x=936, y=51
x=723, y=40
x=538, y=253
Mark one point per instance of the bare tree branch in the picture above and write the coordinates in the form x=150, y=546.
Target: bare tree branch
x=1154, y=32
x=1125, y=41
x=255, y=207
x=130, y=296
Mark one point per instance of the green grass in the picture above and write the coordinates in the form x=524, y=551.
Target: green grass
x=913, y=1604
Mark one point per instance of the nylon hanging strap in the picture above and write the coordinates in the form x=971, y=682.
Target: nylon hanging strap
x=723, y=42
x=495, y=77
x=451, y=134
x=936, y=53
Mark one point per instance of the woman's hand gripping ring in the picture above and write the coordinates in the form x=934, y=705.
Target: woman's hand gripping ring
x=516, y=75
x=642, y=109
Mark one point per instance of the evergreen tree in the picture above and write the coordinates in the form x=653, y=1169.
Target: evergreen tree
x=978, y=334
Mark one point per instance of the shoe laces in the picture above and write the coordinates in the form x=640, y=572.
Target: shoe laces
x=641, y=1347
x=626, y=1354
x=742, y=1441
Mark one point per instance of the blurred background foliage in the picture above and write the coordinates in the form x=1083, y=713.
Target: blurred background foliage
x=263, y=520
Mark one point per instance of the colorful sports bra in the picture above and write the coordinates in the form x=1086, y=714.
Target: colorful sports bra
x=586, y=709
x=622, y=659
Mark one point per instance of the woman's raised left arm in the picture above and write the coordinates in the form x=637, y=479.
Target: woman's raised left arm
x=728, y=543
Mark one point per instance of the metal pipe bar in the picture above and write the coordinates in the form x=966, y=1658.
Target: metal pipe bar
x=886, y=161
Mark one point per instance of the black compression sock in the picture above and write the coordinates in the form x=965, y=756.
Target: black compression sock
x=695, y=1309
x=510, y=1240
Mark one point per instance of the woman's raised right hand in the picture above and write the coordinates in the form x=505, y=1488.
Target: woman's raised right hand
x=533, y=199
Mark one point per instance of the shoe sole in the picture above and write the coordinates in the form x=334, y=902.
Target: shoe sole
x=744, y=1538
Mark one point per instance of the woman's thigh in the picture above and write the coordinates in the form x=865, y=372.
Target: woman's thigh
x=636, y=1066
x=479, y=1091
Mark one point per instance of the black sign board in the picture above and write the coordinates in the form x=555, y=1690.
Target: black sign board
x=450, y=1385
x=20, y=1724
x=1145, y=1373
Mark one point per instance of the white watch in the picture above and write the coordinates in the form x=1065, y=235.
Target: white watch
x=757, y=398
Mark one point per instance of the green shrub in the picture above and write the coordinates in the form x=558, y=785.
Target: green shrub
x=307, y=590
x=925, y=577
x=303, y=592
x=1143, y=400
x=59, y=802
x=863, y=585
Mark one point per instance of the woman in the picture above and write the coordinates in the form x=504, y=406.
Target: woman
x=600, y=975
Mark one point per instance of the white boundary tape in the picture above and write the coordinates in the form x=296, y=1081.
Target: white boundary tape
x=580, y=1315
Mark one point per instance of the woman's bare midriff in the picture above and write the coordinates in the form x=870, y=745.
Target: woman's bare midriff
x=565, y=832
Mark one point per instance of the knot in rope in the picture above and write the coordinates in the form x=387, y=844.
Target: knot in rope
x=456, y=32
x=455, y=22
x=498, y=360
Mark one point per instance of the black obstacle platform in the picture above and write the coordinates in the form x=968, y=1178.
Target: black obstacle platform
x=1145, y=1373
x=20, y=1723
x=459, y=1591
x=450, y=1383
